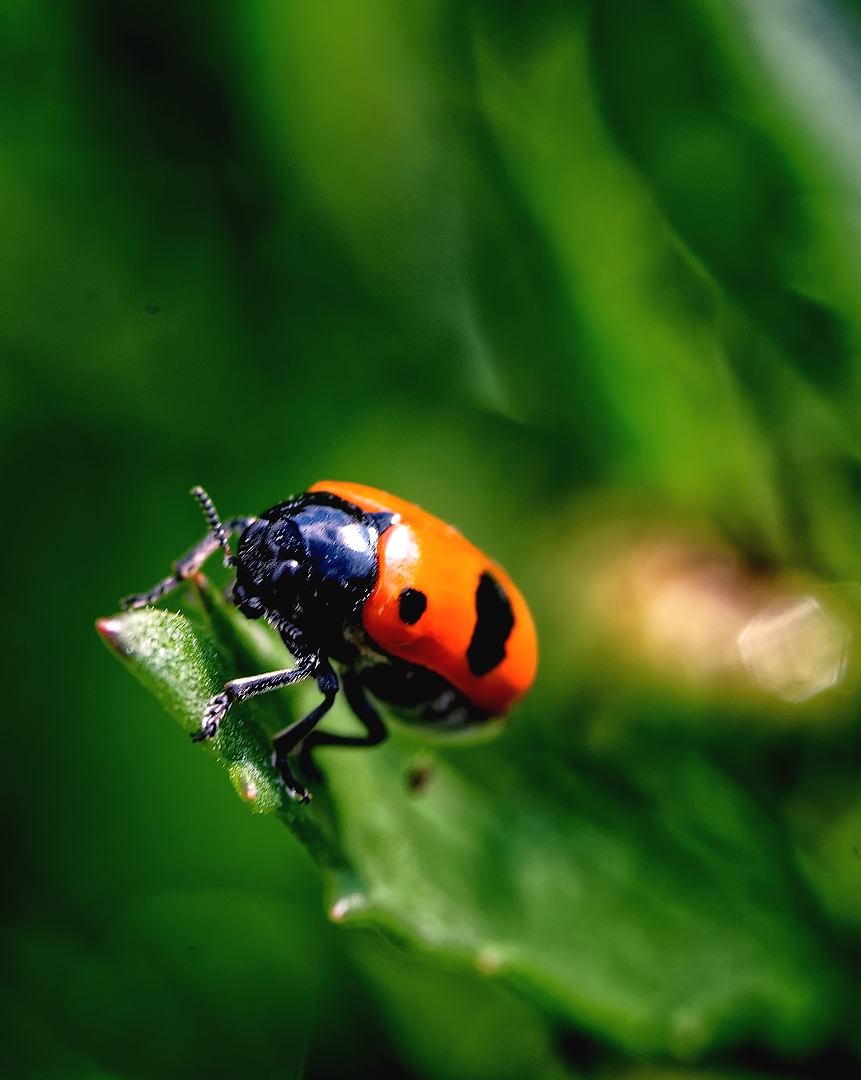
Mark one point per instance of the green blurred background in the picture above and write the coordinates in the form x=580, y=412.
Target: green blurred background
x=566, y=274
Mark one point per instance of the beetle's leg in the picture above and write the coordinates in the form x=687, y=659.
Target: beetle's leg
x=156, y=593
x=250, y=686
x=290, y=738
x=192, y=561
x=358, y=702
x=187, y=566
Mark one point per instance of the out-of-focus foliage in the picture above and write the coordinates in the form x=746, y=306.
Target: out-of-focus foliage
x=583, y=279
x=534, y=873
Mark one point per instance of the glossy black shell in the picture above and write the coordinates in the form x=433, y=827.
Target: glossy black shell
x=312, y=561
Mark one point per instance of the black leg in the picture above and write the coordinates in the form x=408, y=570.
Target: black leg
x=241, y=689
x=156, y=593
x=290, y=738
x=365, y=712
x=187, y=566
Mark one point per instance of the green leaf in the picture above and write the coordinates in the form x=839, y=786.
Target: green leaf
x=657, y=913
x=639, y=923
x=503, y=1037
x=180, y=663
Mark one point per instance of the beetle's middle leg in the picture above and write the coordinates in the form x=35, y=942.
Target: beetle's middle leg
x=291, y=737
x=363, y=710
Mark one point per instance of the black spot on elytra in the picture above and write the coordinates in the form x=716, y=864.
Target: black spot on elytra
x=412, y=604
x=493, y=625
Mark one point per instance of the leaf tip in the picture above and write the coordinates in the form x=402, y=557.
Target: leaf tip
x=109, y=631
x=348, y=905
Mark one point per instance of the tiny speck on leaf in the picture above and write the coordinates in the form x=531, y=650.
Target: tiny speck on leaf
x=419, y=776
x=856, y=852
x=151, y=309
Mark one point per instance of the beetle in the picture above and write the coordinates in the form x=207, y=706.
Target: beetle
x=374, y=595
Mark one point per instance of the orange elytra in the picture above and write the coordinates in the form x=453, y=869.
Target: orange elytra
x=418, y=551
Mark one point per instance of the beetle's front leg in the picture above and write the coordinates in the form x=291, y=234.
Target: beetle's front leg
x=185, y=567
x=241, y=689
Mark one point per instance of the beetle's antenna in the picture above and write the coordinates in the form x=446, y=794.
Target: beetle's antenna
x=214, y=522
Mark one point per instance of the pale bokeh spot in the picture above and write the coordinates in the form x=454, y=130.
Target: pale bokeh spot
x=795, y=649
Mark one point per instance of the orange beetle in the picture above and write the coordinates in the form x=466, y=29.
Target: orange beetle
x=411, y=613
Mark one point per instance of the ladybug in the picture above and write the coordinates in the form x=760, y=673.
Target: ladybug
x=409, y=612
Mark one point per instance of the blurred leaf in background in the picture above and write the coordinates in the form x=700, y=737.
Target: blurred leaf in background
x=582, y=279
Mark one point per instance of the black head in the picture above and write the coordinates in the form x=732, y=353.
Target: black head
x=271, y=566
x=312, y=561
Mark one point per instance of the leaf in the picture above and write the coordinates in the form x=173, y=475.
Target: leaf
x=181, y=664
x=657, y=914
x=503, y=1037
x=650, y=933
